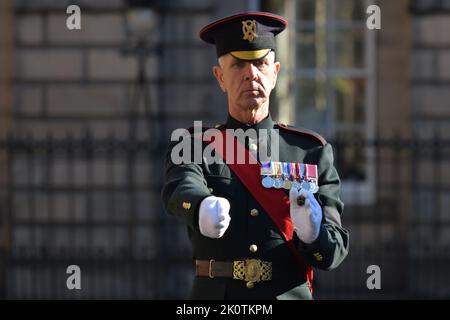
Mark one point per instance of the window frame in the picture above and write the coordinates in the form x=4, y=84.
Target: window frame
x=352, y=191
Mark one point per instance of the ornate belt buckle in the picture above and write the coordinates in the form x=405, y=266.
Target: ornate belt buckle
x=252, y=270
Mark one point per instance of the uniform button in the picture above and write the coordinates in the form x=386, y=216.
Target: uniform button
x=318, y=256
x=253, y=147
x=254, y=212
x=250, y=285
x=253, y=248
x=186, y=205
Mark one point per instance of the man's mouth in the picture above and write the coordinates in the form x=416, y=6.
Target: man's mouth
x=253, y=93
x=252, y=90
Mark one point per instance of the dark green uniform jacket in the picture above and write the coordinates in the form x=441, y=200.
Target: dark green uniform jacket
x=187, y=185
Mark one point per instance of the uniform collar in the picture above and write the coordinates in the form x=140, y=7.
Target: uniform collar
x=232, y=123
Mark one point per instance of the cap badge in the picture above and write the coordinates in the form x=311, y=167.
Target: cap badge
x=249, y=30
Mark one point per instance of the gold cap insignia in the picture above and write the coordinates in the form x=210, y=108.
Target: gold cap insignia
x=249, y=30
x=186, y=205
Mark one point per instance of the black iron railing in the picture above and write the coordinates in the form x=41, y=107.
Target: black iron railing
x=95, y=203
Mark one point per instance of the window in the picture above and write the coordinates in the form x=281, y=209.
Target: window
x=327, y=82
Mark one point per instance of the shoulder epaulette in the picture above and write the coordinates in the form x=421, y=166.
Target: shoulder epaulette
x=303, y=131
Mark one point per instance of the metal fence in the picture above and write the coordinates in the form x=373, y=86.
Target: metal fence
x=95, y=203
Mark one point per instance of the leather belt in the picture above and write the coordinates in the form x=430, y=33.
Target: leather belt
x=249, y=270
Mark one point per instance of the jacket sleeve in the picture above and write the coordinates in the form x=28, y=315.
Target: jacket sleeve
x=331, y=247
x=184, y=189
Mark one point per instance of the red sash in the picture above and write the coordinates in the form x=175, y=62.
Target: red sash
x=274, y=201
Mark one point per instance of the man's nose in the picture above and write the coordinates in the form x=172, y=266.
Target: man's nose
x=251, y=72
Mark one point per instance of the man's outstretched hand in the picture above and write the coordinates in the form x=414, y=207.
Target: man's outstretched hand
x=214, y=217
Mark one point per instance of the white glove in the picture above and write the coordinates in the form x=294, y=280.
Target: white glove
x=306, y=218
x=213, y=216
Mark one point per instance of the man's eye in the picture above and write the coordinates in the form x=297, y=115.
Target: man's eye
x=239, y=64
x=260, y=64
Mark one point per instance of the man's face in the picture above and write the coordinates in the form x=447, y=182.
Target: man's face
x=247, y=83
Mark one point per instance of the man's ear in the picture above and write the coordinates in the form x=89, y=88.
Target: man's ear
x=218, y=73
x=276, y=69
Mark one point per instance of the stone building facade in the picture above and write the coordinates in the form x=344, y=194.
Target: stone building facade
x=96, y=203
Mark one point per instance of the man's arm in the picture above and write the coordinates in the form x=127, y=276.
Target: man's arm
x=184, y=189
x=331, y=247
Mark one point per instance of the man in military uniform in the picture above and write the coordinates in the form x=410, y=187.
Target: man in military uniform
x=254, y=241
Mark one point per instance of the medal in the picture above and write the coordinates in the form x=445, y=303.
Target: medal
x=287, y=184
x=305, y=185
x=294, y=175
x=301, y=172
x=267, y=171
x=267, y=182
x=302, y=177
x=311, y=177
x=313, y=187
x=278, y=183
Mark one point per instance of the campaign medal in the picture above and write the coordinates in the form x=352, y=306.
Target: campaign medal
x=296, y=185
x=302, y=175
x=294, y=175
x=305, y=185
x=287, y=184
x=311, y=177
x=314, y=187
x=267, y=171
x=278, y=183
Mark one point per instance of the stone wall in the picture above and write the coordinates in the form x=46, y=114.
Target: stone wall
x=430, y=117
x=101, y=209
